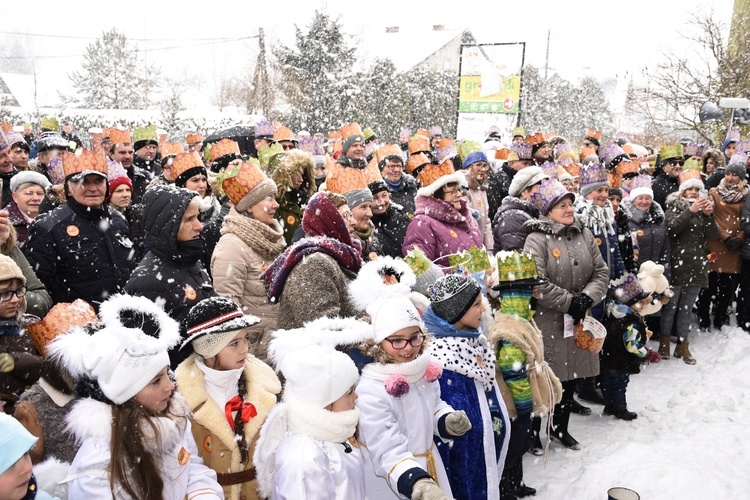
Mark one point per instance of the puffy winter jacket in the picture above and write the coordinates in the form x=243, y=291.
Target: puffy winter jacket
x=508, y=224
x=390, y=231
x=650, y=229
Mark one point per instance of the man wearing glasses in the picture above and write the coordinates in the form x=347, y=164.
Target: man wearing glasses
x=667, y=181
x=403, y=186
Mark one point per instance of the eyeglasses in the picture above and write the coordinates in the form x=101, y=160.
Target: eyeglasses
x=415, y=341
x=452, y=191
x=347, y=215
x=675, y=163
x=482, y=166
x=395, y=166
x=562, y=206
x=8, y=294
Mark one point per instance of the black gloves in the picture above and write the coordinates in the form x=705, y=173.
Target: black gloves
x=733, y=243
x=579, y=304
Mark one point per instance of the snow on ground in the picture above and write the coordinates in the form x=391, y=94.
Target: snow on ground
x=691, y=439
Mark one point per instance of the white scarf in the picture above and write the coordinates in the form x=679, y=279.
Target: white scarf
x=471, y=357
x=221, y=385
x=332, y=426
x=412, y=371
x=599, y=219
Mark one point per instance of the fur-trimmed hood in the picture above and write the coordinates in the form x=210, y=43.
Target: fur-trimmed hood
x=548, y=226
x=676, y=202
x=295, y=162
x=655, y=214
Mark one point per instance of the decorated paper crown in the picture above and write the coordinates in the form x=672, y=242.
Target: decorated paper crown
x=473, y=260
x=55, y=170
x=117, y=136
x=369, y=134
x=738, y=158
x=423, y=132
x=431, y=172
x=350, y=130
x=12, y=137
x=284, y=134
x=223, y=148
x=733, y=135
x=612, y=154
x=387, y=150
x=518, y=132
x=670, y=151
x=446, y=150
x=60, y=319
x=535, y=139
x=145, y=134
x=194, y=138
x=417, y=261
x=465, y=148
x=502, y=153
x=641, y=181
x=517, y=269
x=115, y=170
x=627, y=289
x=264, y=129
x=6, y=127
x=551, y=191
x=694, y=149
x=564, y=150
x=84, y=162
x=625, y=169
x=186, y=161
x=418, y=144
x=594, y=134
x=741, y=147
x=334, y=135
x=549, y=169
x=50, y=123
x=573, y=168
x=436, y=130
x=341, y=179
x=588, y=152
x=405, y=132
x=265, y=153
x=593, y=173
x=522, y=151
x=416, y=161
x=240, y=181
x=171, y=149
x=312, y=145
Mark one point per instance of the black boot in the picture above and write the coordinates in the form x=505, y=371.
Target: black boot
x=524, y=491
x=559, y=433
x=536, y=448
x=578, y=408
x=620, y=412
x=588, y=391
x=566, y=440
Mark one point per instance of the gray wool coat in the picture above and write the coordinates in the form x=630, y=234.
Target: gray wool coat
x=570, y=258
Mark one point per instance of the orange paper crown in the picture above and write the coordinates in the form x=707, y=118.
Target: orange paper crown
x=117, y=136
x=586, y=152
x=340, y=179
x=334, y=135
x=194, y=138
x=83, y=160
x=415, y=161
x=184, y=162
x=350, y=130
x=388, y=150
x=502, y=154
x=573, y=169
x=171, y=149
x=690, y=174
x=247, y=177
x=6, y=127
x=614, y=180
x=627, y=167
x=225, y=147
x=593, y=133
x=423, y=132
x=60, y=319
x=535, y=139
x=283, y=134
x=433, y=172
x=418, y=143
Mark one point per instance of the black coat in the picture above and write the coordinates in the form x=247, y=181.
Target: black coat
x=406, y=194
x=140, y=179
x=614, y=354
x=80, y=253
x=390, y=231
x=6, y=177
x=498, y=188
x=663, y=186
x=625, y=240
x=153, y=167
x=650, y=229
x=507, y=226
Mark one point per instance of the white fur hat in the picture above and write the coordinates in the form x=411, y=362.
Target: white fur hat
x=456, y=177
x=392, y=314
x=121, y=360
x=318, y=375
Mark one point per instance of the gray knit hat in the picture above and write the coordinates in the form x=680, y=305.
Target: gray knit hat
x=525, y=178
x=452, y=295
x=351, y=140
x=357, y=197
x=737, y=169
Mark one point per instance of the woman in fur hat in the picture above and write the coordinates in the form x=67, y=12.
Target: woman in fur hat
x=229, y=391
x=134, y=430
x=251, y=240
x=294, y=174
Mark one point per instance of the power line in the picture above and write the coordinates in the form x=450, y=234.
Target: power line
x=147, y=40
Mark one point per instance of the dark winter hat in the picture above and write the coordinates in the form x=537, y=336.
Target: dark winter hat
x=378, y=187
x=357, y=196
x=212, y=323
x=738, y=169
x=615, y=192
x=51, y=140
x=349, y=141
x=451, y=296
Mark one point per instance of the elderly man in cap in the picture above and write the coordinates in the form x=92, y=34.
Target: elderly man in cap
x=82, y=249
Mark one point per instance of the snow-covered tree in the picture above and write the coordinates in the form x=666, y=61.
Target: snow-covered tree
x=113, y=76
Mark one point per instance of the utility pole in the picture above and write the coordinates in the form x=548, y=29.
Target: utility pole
x=546, y=58
x=261, y=96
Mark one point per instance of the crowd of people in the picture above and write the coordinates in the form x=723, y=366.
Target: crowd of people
x=340, y=318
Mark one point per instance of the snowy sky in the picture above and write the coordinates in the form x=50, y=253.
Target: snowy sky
x=601, y=38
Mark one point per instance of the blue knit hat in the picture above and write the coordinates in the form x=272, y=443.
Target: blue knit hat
x=15, y=441
x=473, y=158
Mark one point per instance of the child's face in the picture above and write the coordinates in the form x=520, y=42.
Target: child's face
x=233, y=355
x=9, y=308
x=345, y=402
x=473, y=317
x=155, y=396
x=15, y=481
x=408, y=353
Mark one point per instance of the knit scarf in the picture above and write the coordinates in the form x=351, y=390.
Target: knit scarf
x=268, y=241
x=332, y=426
x=599, y=219
x=276, y=275
x=413, y=371
x=395, y=186
x=732, y=194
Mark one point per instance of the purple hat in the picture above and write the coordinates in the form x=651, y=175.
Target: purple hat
x=55, y=170
x=563, y=148
x=612, y=154
x=549, y=169
x=694, y=149
x=12, y=137
x=264, y=130
x=641, y=185
x=733, y=135
x=550, y=193
x=738, y=158
x=627, y=289
x=523, y=150
x=593, y=176
x=436, y=130
x=312, y=145
x=742, y=146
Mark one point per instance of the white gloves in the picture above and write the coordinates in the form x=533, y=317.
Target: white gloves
x=427, y=489
x=457, y=423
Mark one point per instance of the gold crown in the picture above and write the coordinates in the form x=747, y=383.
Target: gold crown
x=284, y=134
x=194, y=138
x=224, y=147
x=417, y=143
x=60, y=319
x=244, y=180
x=350, y=130
x=415, y=161
x=341, y=179
x=388, y=150
x=184, y=162
x=690, y=174
x=83, y=160
x=117, y=136
x=171, y=149
x=433, y=172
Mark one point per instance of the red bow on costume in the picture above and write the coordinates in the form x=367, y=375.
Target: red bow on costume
x=247, y=410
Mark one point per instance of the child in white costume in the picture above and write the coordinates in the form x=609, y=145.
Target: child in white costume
x=399, y=400
x=128, y=398
x=307, y=447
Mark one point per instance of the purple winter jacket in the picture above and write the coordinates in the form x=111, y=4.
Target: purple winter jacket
x=438, y=229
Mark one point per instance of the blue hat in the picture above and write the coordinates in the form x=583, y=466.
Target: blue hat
x=473, y=158
x=15, y=441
